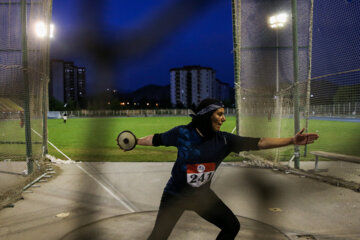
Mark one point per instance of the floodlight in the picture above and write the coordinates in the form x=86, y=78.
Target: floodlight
x=42, y=31
x=272, y=20
x=52, y=29
x=282, y=18
x=278, y=21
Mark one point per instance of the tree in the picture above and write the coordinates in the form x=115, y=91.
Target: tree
x=55, y=105
x=346, y=94
x=70, y=105
x=82, y=103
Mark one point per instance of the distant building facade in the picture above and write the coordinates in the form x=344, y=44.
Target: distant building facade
x=68, y=82
x=224, y=91
x=191, y=84
x=81, y=82
x=56, y=85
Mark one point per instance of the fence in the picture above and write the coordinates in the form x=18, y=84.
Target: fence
x=337, y=110
x=342, y=110
x=134, y=113
x=24, y=77
x=295, y=59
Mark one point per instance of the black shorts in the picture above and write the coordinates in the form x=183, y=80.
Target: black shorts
x=205, y=203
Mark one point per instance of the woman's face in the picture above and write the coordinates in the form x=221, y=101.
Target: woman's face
x=217, y=119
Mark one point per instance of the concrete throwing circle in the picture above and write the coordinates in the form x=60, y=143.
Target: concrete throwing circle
x=190, y=226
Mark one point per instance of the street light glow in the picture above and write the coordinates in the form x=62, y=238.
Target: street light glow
x=52, y=29
x=278, y=21
x=41, y=30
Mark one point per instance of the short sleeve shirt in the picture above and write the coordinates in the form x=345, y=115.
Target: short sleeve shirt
x=199, y=157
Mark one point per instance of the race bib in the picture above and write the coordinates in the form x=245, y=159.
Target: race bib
x=199, y=174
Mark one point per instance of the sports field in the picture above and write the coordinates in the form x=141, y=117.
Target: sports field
x=93, y=139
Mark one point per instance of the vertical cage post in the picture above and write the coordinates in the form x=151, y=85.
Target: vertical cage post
x=308, y=84
x=296, y=81
x=46, y=81
x=24, y=51
x=237, y=58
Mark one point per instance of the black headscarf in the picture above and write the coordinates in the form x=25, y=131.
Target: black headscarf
x=202, y=117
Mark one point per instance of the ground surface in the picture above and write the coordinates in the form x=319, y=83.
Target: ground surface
x=93, y=139
x=120, y=201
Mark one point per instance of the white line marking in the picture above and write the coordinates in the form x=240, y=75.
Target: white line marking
x=54, y=146
x=90, y=175
x=233, y=130
x=107, y=189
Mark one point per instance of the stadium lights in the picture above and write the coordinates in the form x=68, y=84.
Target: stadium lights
x=278, y=21
x=42, y=31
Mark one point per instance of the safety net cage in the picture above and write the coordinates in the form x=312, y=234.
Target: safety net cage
x=24, y=75
x=272, y=99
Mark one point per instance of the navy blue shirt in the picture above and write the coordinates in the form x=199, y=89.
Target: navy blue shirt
x=199, y=157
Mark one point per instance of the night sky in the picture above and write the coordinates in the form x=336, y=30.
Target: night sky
x=130, y=44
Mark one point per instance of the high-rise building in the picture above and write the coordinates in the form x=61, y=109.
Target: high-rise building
x=191, y=84
x=56, y=85
x=68, y=82
x=81, y=83
x=223, y=91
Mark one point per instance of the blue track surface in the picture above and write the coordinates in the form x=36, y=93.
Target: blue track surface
x=336, y=119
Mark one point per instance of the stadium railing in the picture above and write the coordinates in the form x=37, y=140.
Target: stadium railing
x=133, y=113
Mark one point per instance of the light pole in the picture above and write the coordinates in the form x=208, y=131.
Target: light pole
x=45, y=31
x=277, y=22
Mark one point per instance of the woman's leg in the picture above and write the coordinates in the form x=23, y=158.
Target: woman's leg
x=170, y=211
x=213, y=209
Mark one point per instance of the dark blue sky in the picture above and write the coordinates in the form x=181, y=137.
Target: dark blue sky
x=129, y=44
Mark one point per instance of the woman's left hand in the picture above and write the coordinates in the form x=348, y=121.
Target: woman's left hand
x=304, y=138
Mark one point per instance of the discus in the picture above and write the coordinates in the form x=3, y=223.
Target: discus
x=126, y=140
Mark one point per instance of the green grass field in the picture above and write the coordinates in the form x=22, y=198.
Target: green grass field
x=10, y=131
x=93, y=139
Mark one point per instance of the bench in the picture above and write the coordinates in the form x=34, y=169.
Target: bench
x=335, y=156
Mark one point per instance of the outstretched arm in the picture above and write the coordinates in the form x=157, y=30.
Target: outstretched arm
x=145, y=141
x=266, y=143
x=299, y=139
